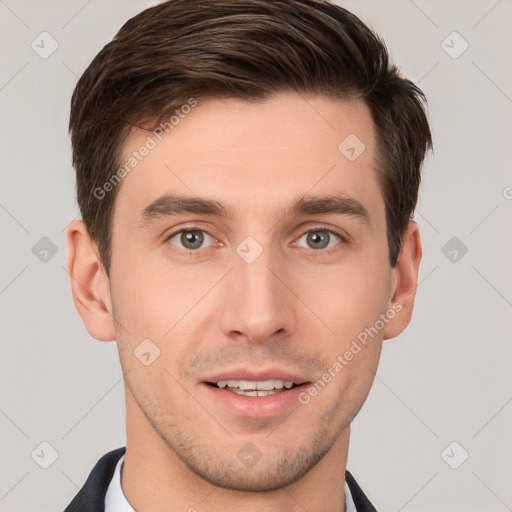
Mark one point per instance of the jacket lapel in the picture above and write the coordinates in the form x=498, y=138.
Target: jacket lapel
x=361, y=502
x=91, y=497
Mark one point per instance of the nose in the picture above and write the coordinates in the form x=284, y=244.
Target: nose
x=257, y=304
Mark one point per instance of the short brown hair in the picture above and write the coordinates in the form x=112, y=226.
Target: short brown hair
x=250, y=50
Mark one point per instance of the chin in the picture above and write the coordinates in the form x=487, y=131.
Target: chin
x=250, y=471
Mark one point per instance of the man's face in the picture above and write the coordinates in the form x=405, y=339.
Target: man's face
x=255, y=297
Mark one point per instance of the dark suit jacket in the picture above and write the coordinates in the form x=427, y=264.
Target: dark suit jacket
x=91, y=497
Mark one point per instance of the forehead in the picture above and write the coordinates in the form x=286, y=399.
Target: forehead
x=252, y=155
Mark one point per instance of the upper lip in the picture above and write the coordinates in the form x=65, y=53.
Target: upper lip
x=257, y=375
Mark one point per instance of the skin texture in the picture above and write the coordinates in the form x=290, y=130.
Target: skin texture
x=296, y=307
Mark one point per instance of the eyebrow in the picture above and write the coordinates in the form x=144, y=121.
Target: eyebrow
x=174, y=204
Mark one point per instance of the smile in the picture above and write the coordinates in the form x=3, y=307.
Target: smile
x=255, y=388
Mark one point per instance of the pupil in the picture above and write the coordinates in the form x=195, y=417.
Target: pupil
x=318, y=236
x=194, y=238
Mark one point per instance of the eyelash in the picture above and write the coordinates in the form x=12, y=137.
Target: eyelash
x=321, y=229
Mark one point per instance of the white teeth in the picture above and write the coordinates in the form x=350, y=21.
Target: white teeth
x=254, y=393
x=246, y=393
x=262, y=385
x=266, y=393
x=244, y=385
x=267, y=385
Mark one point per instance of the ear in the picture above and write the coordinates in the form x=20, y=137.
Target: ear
x=90, y=284
x=404, y=281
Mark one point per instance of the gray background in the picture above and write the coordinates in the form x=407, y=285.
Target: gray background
x=445, y=379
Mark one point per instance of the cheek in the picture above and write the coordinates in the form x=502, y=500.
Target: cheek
x=353, y=303
x=348, y=299
x=164, y=306
x=147, y=301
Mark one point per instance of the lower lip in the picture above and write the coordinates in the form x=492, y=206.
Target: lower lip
x=255, y=406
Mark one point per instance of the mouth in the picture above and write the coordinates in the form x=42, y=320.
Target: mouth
x=255, y=388
x=254, y=393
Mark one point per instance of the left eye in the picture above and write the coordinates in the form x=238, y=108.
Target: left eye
x=190, y=239
x=320, y=239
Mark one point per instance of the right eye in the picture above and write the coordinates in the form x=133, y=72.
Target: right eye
x=189, y=239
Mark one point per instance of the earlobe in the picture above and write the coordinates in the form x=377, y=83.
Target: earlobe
x=89, y=283
x=404, y=282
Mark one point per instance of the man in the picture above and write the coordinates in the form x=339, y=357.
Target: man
x=247, y=172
